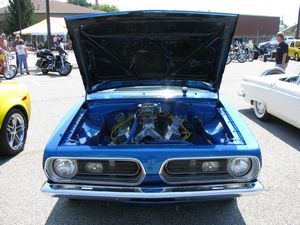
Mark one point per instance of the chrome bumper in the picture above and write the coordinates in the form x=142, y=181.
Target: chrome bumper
x=153, y=194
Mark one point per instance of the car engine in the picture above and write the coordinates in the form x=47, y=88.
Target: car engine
x=150, y=125
x=156, y=123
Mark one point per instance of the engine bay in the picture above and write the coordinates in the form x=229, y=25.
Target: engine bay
x=156, y=123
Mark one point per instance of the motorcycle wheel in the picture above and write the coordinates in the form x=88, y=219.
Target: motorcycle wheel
x=10, y=72
x=228, y=60
x=251, y=57
x=66, y=70
x=242, y=57
x=45, y=71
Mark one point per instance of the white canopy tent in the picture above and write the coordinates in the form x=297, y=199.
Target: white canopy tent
x=57, y=24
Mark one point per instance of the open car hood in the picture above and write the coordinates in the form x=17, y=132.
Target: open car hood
x=151, y=47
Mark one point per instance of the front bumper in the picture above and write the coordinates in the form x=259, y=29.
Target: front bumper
x=153, y=194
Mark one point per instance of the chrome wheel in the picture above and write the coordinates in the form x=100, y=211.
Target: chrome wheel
x=260, y=108
x=260, y=111
x=10, y=72
x=16, y=129
x=242, y=57
x=66, y=70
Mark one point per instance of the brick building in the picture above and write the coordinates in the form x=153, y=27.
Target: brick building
x=257, y=28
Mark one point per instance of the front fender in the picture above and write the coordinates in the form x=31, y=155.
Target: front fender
x=55, y=138
x=11, y=102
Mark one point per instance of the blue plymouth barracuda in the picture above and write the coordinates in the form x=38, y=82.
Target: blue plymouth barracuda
x=152, y=126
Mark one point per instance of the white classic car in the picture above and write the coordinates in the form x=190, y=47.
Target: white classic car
x=277, y=94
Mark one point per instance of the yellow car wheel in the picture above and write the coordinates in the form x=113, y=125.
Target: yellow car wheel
x=13, y=132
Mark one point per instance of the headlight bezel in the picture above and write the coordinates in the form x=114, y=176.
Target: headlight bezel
x=52, y=177
x=250, y=176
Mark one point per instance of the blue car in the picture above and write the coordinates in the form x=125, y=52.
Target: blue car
x=152, y=127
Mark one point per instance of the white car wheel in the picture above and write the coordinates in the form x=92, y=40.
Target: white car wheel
x=260, y=111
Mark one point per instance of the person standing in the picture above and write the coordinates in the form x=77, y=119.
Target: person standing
x=282, y=51
x=15, y=43
x=60, y=43
x=3, y=42
x=2, y=60
x=22, y=56
x=10, y=42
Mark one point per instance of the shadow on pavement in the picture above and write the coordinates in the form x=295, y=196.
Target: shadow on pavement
x=50, y=74
x=5, y=159
x=92, y=212
x=284, y=131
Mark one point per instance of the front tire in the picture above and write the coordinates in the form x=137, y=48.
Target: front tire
x=45, y=71
x=260, y=111
x=228, y=60
x=242, y=57
x=13, y=132
x=66, y=70
x=251, y=57
x=10, y=72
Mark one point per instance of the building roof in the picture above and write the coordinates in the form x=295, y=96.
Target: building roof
x=57, y=7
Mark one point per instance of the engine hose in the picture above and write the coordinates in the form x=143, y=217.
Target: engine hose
x=133, y=128
x=118, y=125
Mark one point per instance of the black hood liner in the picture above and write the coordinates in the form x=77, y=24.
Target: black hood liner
x=185, y=46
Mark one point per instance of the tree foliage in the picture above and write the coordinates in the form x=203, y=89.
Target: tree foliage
x=80, y=2
x=11, y=22
x=107, y=8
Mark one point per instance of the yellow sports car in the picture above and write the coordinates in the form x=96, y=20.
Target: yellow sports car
x=294, y=49
x=14, y=117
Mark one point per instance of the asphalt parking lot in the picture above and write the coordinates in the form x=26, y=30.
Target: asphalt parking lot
x=21, y=177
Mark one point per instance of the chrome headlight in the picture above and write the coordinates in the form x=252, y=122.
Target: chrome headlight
x=65, y=168
x=239, y=167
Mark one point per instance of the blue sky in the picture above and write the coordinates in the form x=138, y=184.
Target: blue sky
x=287, y=9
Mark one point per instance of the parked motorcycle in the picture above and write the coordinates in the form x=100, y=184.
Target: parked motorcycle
x=8, y=70
x=48, y=62
x=237, y=52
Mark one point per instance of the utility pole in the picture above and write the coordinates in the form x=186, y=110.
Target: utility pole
x=48, y=24
x=19, y=17
x=298, y=25
x=96, y=3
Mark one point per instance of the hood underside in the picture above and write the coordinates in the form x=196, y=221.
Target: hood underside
x=151, y=46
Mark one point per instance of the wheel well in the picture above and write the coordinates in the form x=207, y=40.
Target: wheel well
x=23, y=110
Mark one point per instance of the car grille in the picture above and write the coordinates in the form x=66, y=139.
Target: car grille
x=192, y=167
x=190, y=171
x=114, y=171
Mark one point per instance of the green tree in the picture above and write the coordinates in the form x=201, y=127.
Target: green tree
x=80, y=2
x=11, y=22
x=107, y=8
